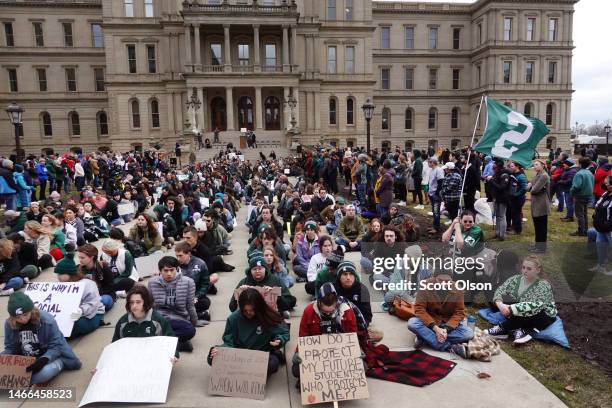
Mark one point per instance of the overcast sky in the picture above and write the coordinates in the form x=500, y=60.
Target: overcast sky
x=592, y=62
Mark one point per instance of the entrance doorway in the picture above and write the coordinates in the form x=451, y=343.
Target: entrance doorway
x=218, y=114
x=245, y=113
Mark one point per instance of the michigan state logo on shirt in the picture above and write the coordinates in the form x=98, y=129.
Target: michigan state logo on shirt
x=470, y=240
x=259, y=330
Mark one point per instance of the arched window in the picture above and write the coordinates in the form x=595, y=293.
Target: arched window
x=409, y=145
x=75, y=124
x=47, y=127
x=432, y=118
x=154, y=113
x=333, y=111
x=386, y=119
x=433, y=144
x=350, y=111
x=455, y=144
x=135, y=112
x=102, y=123
x=551, y=142
x=408, y=115
x=455, y=118
x=273, y=115
x=386, y=145
x=550, y=114
x=528, y=109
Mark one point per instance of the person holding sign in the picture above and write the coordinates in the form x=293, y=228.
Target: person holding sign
x=145, y=232
x=121, y=264
x=34, y=333
x=255, y=326
x=92, y=269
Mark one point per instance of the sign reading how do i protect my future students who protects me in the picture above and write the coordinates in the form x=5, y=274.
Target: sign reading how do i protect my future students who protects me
x=331, y=369
x=239, y=373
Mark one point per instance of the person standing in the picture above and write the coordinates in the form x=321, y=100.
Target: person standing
x=601, y=233
x=450, y=189
x=216, y=135
x=539, y=188
x=518, y=188
x=435, y=176
x=417, y=176
x=565, y=184
x=581, y=192
x=500, y=186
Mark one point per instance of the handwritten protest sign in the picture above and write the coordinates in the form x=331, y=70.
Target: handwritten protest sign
x=331, y=369
x=239, y=373
x=57, y=298
x=133, y=369
x=147, y=265
x=204, y=202
x=13, y=373
x=126, y=209
x=270, y=297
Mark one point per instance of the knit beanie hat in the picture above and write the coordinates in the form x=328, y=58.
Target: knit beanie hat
x=327, y=289
x=258, y=261
x=347, y=266
x=335, y=258
x=66, y=265
x=255, y=253
x=262, y=227
x=310, y=225
x=19, y=303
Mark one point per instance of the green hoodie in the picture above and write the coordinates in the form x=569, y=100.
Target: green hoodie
x=286, y=301
x=582, y=184
x=51, y=169
x=244, y=333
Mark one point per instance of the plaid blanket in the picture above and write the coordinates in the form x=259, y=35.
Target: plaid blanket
x=406, y=367
x=482, y=346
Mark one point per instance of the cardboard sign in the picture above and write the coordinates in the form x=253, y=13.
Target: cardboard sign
x=13, y=373
x=133, y=369
x=270, y=297
x=126, y=209
x=239, y=373
x=60, y=299
x=147, y=265
x=331, y=369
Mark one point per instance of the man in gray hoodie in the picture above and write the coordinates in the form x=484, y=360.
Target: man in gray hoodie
x=173, y=297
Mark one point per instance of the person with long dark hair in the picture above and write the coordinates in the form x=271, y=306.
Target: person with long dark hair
x=255, y=326
x=146, y=233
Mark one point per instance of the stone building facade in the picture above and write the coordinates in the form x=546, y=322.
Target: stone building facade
x=118, y=73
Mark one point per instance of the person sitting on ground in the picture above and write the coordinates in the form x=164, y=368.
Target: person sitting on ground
x=317, y=262
x=328, y=272
x=526, y=301
x=267, y=237
x=401, y=275
x=391, y=247
x=146, y=233
x=26, y=252
x=331, y=215
x=439, y=311
x=70, y=218
x=90, y=313
x=307, y=247
x=255, y=326
x=173, y=297
x=349, y=286
x=11, y=278
x=267, y=217
x=59, y=232
x=121, y=264
x=392, y=216
x=32, y=332
x=466, y=237
x=350, y=230
x=34, y=213
x=320, y=202
x=39, y=236
x=276, y=266
x=95, y=270
x=196, y=269
x=215, y=235
x=215, y=263
x=15, y=220
x=110, y=211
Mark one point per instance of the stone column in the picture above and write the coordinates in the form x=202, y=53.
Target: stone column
x=256, y=51
x=188, y=48
x=227, y=51
x=296, y=95
x=229, y=107
x=286, y=67
x=308, y=58
x=178, y=111
x=170, y=112
x=198, y=54
x=259, y=108
x=204, y=108
x=317, y=110
x=286, y=110
x=200, y=114
x=294, y=45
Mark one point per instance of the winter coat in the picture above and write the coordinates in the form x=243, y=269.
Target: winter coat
x=536, y=298
x=249, y=334
x=150, y=243
x=565, y=180
x=306, y=250
x=344, y=322
x=103, y=277
x=601, y=174
x=197, y=270
x=385, y=189
x=582, y=184
x=9, y=267
x=42, y=172
x=540, y=199
x=357, y=294
x=350, y=229
x=174, y=299
x=500, y=187
x=7, y=182
x=124, y=265
x=286, y=301
x=23, y=190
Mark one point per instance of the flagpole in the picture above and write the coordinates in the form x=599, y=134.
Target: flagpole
x=467, y=163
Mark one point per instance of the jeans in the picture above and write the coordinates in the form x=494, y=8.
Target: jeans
x=435, y=209
x=561, y=198
x=9, y=200
x=107, y=301
x=299, y=270
x=79, y=183
x=602, y=241
x=569, y=204
x=381, y=211
x=48, y=372
x=366, y=265
x=183, y=329
x=461, y=334
x=581, y=205
x=342, y=241
x=361, y=193
x=85, y=326
x=66, y=185
x=14, y=283
x=500, y=219
x=453, y=209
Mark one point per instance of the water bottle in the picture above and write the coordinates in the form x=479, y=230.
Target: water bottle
x=471, y=322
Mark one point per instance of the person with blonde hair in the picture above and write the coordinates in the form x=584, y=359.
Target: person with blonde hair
x=277, y=267
x=122, y=265
x=40, y=237
x=10, y=277
x=58, y=237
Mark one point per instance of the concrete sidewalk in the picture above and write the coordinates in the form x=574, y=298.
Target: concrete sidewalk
x=509, y=384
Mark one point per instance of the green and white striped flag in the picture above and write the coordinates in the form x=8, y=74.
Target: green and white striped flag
x=510, y=135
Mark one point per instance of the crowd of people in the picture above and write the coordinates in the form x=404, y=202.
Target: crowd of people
x=132, y=205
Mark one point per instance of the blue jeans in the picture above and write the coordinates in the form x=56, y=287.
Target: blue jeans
x=569, y=204
x=381, y=211
x=48, y=372
x=361, y=193
x=341, y=241
x=85, y=326
x=380, y=278
x=9, y=200
x=561, y=198
x=461, y=334
x=183, y=329
x=15, y=283
x=366, y=265
x=107, y=301
x=602, y=241
x=435, y=209
x=67, y=181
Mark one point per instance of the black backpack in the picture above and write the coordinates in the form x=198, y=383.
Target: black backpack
x=513, y=185
x=601, y=222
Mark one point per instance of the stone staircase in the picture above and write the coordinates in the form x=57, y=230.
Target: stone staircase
x=266, y=142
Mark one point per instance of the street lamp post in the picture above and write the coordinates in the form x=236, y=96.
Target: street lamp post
x=368, y=111
x=15, y=113
x=607, y=131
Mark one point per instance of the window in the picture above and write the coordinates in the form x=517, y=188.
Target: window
x=331, y=60
x=455, y=144
x=507, y=70
x=386, y=119
x=456, y=38
x=99, y=79
x=433, y=78
x=479, y=75
x=507, y=29
x=215, y=54
x=550, y=109
x=131, y=56
x=97, y=40
x=409, y=145
x=508, y=104
x=148, y=8
x=350, y=111
x=432, y=118
x=152, y=65
x=102, y=123
x=46, y=124
x=75, y=124
x=68, y=41
x=529, y=72
x=385, y=77
x=433, y=38
x=385, y=37
x=332, y=111
x=409, y=38
x=531, y=22
x=409, y=78
x=552, y=29
x=455, y=118
x=551, y=142
x=154, y=113
x=41, y=73
x=243, y=55
x=348, y=11
x=135, y=110
x=552, y=70
x=331, y=9
x=71, y=84
x=39, y=39
x=408, y=119
x=528, y=110
x=128, y=6
x=270, y=55
x=12, y=75
x=456, y=75
x=479, y=34
x=349, y=60
x=9, y=38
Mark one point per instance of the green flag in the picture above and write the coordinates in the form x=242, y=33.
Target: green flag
x=510, y=135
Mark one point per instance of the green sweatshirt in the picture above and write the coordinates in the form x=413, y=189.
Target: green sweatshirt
x=244, y=333
x=323, y=276
x=153, y=324
x=350, y=229
x=286, y=301
x=51, y=169
x=537, y=297
x=582, y=184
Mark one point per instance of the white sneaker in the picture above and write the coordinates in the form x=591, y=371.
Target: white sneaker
x=419, y=207
x=402, y=203
x=607, y=273
x=521, y=336
x=7, y=292
x=598, y=268
x=430, y=213
x=121, y=293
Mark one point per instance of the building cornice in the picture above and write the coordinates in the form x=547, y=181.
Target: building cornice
x=53, y=3
x=379, y=7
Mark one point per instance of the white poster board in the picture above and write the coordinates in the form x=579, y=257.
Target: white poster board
x=239, y=373
x=241, y=157
x=60, y=299
x=126, y=209
x=204, y=202
x=147, y=265
x=133, y=369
